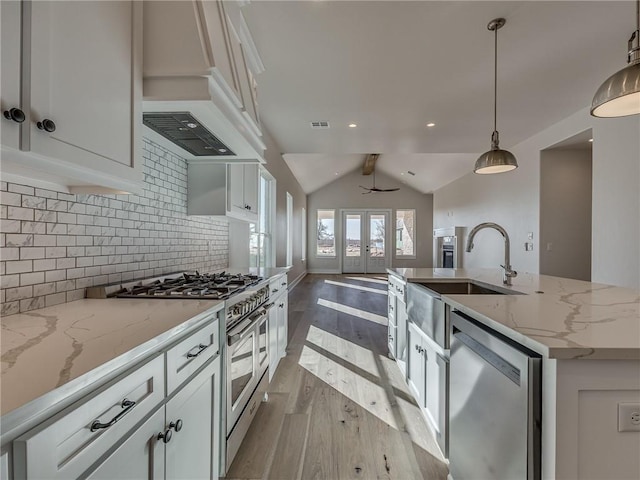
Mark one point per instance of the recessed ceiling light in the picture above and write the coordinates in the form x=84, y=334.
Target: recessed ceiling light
x=401, y=173
x=591, y=139
x=352, y=125
x=431, y=124
x=337, y=173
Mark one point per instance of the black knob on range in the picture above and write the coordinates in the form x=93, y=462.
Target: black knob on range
x=177, y=425
x=15, y=114
x=47, y=125
x=166, y=436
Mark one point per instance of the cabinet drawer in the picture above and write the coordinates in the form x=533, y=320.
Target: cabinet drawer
x=278, y=285
x=185, y=358
x=65, y=446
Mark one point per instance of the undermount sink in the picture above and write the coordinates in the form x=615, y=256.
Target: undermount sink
x=462, y=288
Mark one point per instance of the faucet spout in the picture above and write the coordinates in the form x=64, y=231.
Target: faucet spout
x=509, y=273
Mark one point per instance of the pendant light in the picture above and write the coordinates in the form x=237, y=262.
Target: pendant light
x=495, y=160
x=619, y=95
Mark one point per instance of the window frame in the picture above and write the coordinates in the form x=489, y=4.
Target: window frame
x=289, y=257
x=395, y=230
x=335, y=243
x=268, y=249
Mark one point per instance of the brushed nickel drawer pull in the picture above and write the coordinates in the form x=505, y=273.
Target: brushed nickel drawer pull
x=127, y=405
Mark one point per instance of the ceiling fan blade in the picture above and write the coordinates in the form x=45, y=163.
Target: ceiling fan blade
x=366, y=193
x=388, y=189
x=364, y=188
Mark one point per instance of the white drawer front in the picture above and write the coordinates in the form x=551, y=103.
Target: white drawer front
x=65, y=446
x=185, y=358
x=277, y=286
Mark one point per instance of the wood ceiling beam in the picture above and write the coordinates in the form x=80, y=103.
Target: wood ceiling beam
x=370, y=163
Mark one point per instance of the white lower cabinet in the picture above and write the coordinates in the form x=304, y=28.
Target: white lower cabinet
x=416, y=369
x=177, y=441
x=135, y=427
x=139, y=456
x=193, y=417
x=428, y=379
x=278, y=325
x=68, y=444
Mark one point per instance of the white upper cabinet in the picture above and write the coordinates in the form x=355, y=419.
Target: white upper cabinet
x=12, y=109
x=223, y=190
x=201, y=68
x=81, y=86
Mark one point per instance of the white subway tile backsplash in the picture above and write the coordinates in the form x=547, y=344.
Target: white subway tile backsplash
x=31, y=278
x=75, y=241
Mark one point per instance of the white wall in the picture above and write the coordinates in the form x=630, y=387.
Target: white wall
x=286, y=182
x=345, y=193
x=512, y=200
x=565, y=213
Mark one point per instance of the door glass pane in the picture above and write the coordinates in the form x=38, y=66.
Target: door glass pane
x=262, y=358
x=241, y=366
x=353, y=240
x=377, y=235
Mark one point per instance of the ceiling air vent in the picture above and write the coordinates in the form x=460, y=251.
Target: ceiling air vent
x=320, y=125
x=187, y=132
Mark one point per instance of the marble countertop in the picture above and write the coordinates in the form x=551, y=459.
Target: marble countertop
x=556, y=317
x=53, y=351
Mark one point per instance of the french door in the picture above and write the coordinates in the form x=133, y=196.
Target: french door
x=365, y=241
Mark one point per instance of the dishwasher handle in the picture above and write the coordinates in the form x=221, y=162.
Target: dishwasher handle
x=492, y=358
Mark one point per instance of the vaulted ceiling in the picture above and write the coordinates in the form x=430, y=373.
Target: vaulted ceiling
x=391, y=67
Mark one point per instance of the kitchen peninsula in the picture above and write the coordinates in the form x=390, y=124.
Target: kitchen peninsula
x=588, y=336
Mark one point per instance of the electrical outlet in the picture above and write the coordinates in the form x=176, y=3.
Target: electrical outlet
x=528, y=246
x=549, y=246
x=629, y=417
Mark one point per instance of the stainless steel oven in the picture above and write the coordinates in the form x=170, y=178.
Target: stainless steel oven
x=247, y=360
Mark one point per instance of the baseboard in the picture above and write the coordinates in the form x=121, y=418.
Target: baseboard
x=297, y=280
x=324, y=271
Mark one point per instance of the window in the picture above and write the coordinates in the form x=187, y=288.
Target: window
x=289, y=229
x=260, y=245
x=325, y=238
x=303, y=234
x=405, y=233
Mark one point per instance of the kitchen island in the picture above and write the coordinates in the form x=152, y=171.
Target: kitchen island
x=588, y=336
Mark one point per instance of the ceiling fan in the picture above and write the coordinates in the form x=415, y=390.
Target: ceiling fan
x=369, y=168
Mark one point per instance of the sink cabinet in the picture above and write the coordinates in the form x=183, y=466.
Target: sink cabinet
x=77, y=77
x=428, y=380
x=397, y=316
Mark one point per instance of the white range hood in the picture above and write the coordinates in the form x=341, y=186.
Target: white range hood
x=196, y=63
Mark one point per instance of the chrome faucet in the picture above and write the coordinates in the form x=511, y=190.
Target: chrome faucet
x=508, y=272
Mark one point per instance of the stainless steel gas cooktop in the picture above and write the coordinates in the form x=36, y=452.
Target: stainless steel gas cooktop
x=212, y=286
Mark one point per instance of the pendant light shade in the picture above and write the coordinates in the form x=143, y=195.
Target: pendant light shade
x=495, y=160
x=619, y=95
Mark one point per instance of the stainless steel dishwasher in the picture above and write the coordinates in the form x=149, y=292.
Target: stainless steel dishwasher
x=495, y=405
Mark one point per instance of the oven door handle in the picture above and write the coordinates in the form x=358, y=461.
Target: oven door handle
x=244, y=329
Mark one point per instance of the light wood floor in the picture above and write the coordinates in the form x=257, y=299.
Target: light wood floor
x=338, y=406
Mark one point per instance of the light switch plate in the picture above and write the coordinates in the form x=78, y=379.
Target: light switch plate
x=629, y=417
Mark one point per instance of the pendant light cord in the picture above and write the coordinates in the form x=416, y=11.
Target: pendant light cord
x=495, y=80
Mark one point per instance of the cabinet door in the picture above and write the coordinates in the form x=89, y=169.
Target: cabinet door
x=250, y=183
x=193, y=417
x=392, y=338
x=283, y=311
x=401, y=330
x=10, y=70
x=415, y=365
x=235, y=189
x=436, y=394
x=85, y=78
x=141, y=455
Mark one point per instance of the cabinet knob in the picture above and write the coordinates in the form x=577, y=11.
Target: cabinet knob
x=47, y=125
x=177, y=425
x=15, y=114
x=165, y=436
